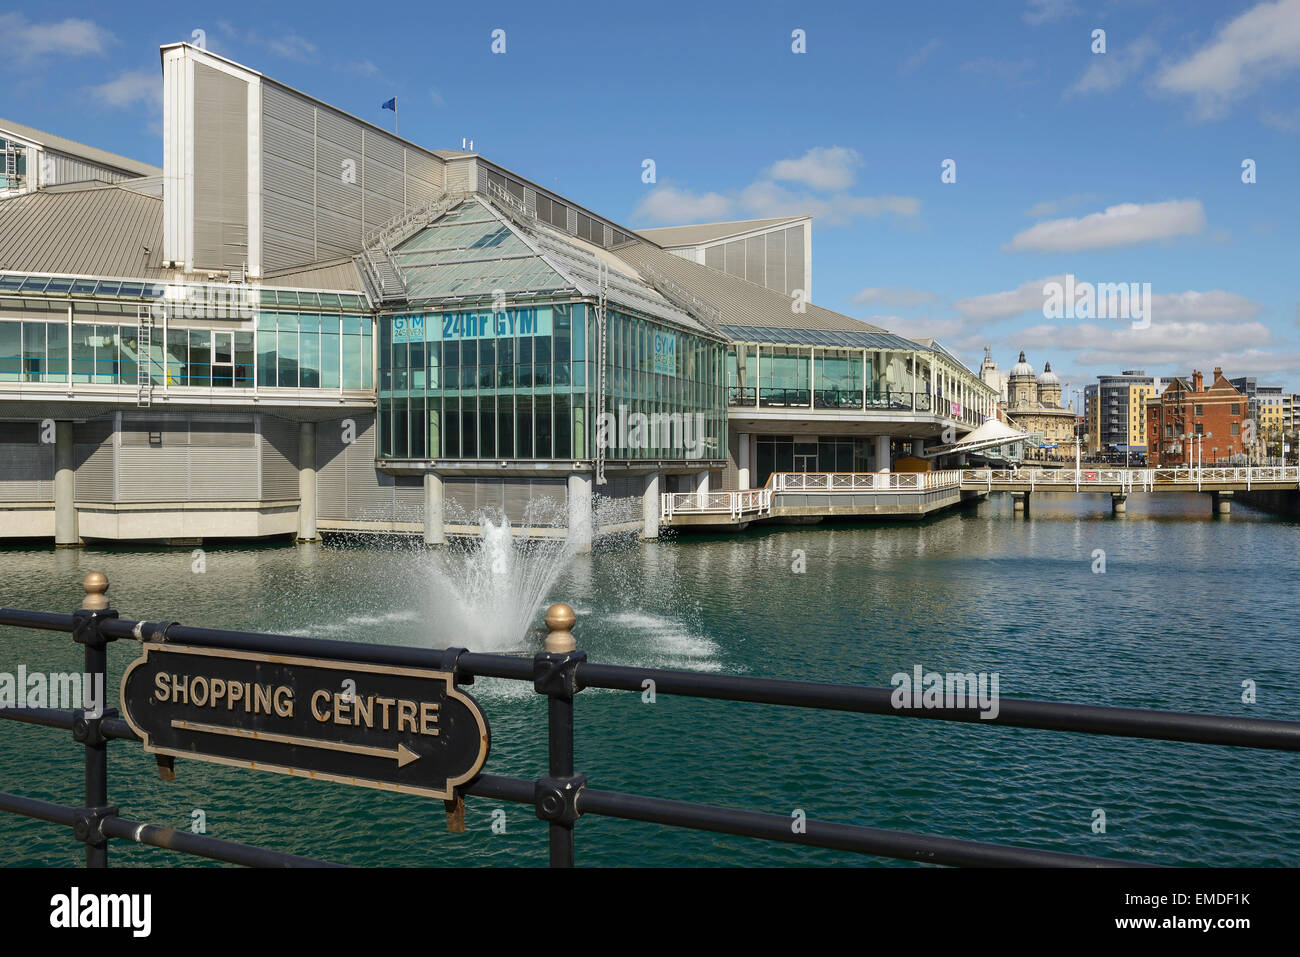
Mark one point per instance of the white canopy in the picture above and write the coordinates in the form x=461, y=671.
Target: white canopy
x=990, y=435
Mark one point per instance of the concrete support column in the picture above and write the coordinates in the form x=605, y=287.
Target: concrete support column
x=307, y=482
x=702, y=487
x=1020, y=501
x=580, y=533
x=651, y=507
x=882, y=453
x=742, y=465
x=434, y=527
x=1118, y=503
x=65, y=489
x=918, y=447
x=1222, y=502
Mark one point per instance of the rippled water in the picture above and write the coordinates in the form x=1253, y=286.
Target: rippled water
x=1189, y=607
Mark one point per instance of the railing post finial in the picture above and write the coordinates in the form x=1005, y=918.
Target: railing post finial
x=95, y=584
x=559, y=622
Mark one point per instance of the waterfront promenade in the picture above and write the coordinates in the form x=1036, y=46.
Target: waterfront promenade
x=811, y=496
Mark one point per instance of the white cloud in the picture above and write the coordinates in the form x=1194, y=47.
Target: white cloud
x=1261, y=43
x=24, y=41
x=821, y=168
x=362, y=68
x=1109, y=71
x=1285, y=121
x=1213, y=306
x=1003, y=305
x=128, y=89
x=903, y=297
x=920, y=56
x=1046, y=11
x=1124, y=225
x=765, y=199
x=1163, y=343
x=437, y=97
x=668, y=204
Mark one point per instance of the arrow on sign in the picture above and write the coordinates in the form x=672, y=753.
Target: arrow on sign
x=401, y=753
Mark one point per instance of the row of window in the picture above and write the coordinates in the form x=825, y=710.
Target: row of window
x=287, y=351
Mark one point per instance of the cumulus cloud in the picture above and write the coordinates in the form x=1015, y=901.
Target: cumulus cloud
x=1045, y=11
x=920, y=56
x=23, y=41
x=130, y=88
x=992, y=306
x=1262, y=43
x=903, y=297
x=826, y=171
x=1109, y=71
x=1124, y=225
x=1163, y=343
x=822, y=167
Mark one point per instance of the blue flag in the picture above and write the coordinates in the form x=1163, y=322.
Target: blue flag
x=390, y=105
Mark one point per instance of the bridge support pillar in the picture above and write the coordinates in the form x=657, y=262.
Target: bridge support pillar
x=434, y=530
x=650, y=507
x=580, y=533
x=65, y=489
x=1118, y=503
x=1221, y=502
x=1020, y=501
x=882, y=453
x=307, y=483
x=742, y=463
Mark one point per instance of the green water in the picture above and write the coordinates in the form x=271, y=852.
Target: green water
x=1189, y=607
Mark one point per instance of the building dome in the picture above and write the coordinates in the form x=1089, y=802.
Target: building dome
x=1022, y=368
x=1048, y=377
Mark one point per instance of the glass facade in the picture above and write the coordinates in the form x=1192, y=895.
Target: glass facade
x=290, y=350
x=520, y=384
x=780, y=376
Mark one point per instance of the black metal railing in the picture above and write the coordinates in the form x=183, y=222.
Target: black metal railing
x=561, y=796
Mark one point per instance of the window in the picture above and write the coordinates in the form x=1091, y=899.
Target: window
x=1235, y=428
x=1198, y=410
x=1236, y=408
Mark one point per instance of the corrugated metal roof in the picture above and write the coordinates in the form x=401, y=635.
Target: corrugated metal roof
x=741, y=303
x=668, y=236
x=61, y=144
x=94, y=231
x=341, y=274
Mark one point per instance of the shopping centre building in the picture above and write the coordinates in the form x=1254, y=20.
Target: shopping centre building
x=303, y=324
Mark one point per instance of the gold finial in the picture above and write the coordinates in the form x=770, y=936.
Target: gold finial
x=559, y=621
x=96, y=584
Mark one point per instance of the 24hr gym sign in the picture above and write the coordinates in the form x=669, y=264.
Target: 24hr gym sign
x=396, y=729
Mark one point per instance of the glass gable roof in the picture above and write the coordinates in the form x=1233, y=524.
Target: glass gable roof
x=822, y=337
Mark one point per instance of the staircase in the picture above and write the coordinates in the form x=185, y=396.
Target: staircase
x=377, y=260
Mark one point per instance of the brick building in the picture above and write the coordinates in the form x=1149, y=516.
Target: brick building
x=1187, y=409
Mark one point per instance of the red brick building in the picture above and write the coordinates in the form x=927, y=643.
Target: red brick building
x=1217, y=413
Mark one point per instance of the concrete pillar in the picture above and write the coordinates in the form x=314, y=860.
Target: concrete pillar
x=882, y=453
x=307, y=482
x=918, y=447
x=1222, y=502
x=702, y=487
x=65, y=489
x=742, y=465
x=1020, y=501
x=651, y=507
x=434, y=529
x=1118, y=503
x=580, y=533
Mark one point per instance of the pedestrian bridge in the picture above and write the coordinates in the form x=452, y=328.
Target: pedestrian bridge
x=812, y=496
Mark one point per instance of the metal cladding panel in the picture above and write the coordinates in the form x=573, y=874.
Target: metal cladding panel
x=153, y=473
x=288, y=171
x=331, y=471
x=223, y=474
x=62, y=168
x=162, y=429
x=95, y=471
x=794, y=259
x=279, y=449
x=408, y=499
x=715, y=257
x=735, y=258
x=755, y=257
x=618, y=501
x=220, y=169
x=775, y=266
x=731, y=471
x=28, y=472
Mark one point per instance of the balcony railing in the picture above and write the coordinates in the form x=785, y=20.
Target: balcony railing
x=741, y=397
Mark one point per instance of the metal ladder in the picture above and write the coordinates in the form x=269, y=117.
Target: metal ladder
x=602, y=278
x=144, y=356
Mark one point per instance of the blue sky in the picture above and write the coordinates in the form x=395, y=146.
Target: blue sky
x=1122, y=166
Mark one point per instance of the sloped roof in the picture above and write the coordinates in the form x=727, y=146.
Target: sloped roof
x=990, y=435
x=740, y=302
x=63, y=145
x=668, y=236
x=95, y=230
x=341, y=274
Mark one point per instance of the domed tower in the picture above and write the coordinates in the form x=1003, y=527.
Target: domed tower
x=1049, y=388
x=1022, y=386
